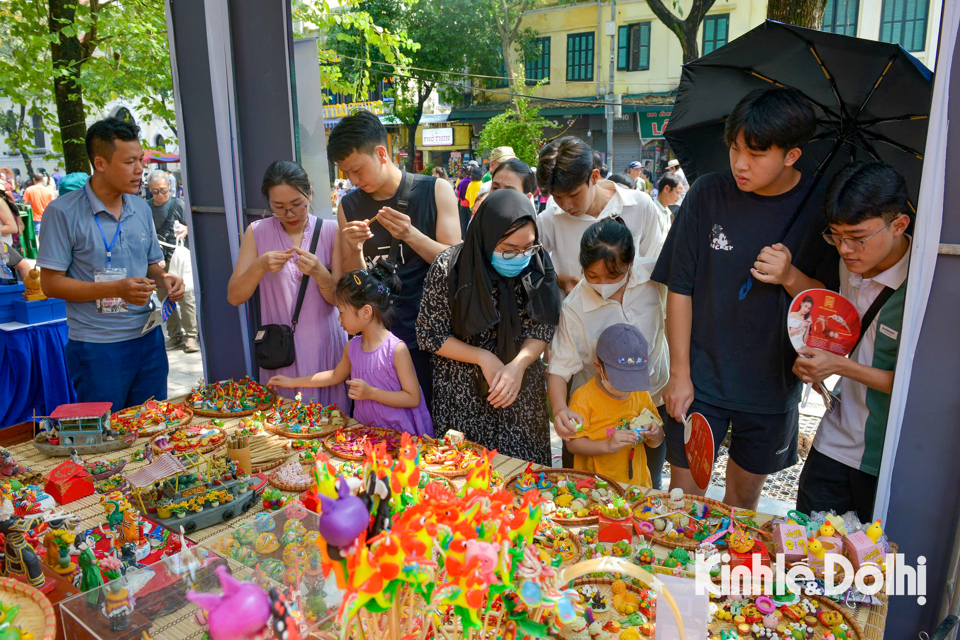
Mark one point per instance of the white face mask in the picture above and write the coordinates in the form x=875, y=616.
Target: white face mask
x=607, y=290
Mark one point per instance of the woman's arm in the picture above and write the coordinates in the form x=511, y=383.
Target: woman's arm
x=409, y=395
x=322, y=379
x=8, y=221
x=247, y=273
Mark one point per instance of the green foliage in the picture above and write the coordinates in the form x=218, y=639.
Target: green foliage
x=354, y=40
x=520, y=127
x=125, y=56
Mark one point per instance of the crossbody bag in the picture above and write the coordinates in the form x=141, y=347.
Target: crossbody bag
x=274, y=342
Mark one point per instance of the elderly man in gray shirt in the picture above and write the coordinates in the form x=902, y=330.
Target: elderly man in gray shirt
x=99, y=252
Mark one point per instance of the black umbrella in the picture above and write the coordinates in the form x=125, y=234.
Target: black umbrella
x=872, y=101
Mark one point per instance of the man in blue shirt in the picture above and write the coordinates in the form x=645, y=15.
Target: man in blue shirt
x=99, y=252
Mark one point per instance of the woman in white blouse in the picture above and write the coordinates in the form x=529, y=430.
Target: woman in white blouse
x=615, y=288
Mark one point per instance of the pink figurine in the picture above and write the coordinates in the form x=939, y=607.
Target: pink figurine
x=489, y=555
x=242, y=611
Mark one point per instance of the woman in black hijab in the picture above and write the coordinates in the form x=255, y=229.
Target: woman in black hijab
x=490, y=307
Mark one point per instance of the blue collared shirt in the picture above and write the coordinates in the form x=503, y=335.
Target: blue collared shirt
x=71, y=242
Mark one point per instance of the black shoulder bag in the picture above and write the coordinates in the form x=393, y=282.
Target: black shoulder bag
x=274, y=342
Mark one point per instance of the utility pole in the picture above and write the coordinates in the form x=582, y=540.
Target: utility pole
x=612, y=107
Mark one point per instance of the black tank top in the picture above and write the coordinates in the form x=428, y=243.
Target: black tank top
x=412, y=269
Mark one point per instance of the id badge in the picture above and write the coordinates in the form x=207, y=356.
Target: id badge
x=110, y=305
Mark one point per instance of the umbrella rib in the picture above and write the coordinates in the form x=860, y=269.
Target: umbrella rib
x=873, y=90
x=730, y=67
x=893, y=143
x=871, y=123
x=826, y=72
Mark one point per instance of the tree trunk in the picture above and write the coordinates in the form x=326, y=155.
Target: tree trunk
x=67, y=56
x=802, y=13
x=686, y=30
x=15, y=136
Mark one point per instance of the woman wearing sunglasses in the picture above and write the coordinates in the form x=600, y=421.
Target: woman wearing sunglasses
x=274, y=257
x=490, y=307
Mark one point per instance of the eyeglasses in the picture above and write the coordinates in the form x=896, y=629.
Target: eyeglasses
x=851, y=243
x=159, y=192
x=510, y=254
x=289, y=211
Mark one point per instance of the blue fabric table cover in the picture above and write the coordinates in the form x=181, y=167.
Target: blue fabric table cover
x=33, y=371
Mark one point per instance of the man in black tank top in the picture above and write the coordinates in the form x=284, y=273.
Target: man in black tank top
x=358, y=144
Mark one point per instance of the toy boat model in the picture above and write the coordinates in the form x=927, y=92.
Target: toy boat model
x=116, y=468
x=82, y=427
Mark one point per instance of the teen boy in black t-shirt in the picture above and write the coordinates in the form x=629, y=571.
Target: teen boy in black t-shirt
x=731, y=359
x=358, y=144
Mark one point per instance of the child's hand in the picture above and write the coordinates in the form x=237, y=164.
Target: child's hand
x=621, y=439
x=652, y=432
x=360, y=390
x=281, y=381
x=565, y=422
x=774, y=265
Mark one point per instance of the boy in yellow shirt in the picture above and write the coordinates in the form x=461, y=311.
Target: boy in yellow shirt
x=617, y=410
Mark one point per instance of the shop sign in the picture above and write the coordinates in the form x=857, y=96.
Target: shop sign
x=342, y=110
x=438, y=137
x=653, y=121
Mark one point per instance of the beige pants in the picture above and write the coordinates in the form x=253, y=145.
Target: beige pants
x=182, y=323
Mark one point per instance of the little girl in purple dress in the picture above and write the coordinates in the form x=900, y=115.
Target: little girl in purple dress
x=376, y=364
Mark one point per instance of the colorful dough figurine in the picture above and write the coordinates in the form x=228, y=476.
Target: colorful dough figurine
x=242, y=611
x=21, y=559
x=342, y=520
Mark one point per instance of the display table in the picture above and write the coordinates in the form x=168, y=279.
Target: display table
x=33, y=361
x=180, y=623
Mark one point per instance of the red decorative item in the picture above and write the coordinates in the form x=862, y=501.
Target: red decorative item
x=698, y=443
x=823, y=319
x=759, y=552
x=615, y=530
x=69, y=481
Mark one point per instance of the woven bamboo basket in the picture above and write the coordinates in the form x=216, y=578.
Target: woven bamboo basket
x=36, y=614
x=690, y=543
x=329, y=445
x=553, y=475
x=207, y=449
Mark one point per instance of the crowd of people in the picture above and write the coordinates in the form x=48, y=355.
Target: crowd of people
x=604, y=311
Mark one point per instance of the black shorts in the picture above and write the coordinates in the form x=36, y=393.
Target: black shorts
x=761, y=443
x=826, y=484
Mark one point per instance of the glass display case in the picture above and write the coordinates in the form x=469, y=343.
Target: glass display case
x=273, y=549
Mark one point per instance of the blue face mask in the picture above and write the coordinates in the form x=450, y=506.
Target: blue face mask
x=509, y=267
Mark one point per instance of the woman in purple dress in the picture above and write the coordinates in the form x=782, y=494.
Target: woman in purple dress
x=274, y=256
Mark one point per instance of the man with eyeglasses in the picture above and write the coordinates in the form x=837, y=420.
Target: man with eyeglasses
x=867, y=215
x=170, y=222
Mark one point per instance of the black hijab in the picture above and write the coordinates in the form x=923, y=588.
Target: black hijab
x=472, y=277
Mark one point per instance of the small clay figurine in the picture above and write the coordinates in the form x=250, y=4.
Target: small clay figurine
x=74, y=457
x=342, y=520
x=21, y=560
x=90, y=580
x=31, y=286
x=118, y=604
x=242, y=611
x=8, y=466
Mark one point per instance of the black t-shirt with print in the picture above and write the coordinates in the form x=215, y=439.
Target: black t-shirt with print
x=740, y=353
x=412, y=269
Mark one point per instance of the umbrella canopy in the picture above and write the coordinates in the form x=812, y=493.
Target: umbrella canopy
x=872, y=99
x=151, y=156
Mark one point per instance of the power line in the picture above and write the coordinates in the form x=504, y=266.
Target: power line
x=476, y=75
x=493, y=91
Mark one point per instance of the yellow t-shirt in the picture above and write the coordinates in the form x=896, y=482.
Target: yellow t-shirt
x=473, y=189
x=601, y=412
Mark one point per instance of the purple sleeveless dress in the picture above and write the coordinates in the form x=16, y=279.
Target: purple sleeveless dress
x=319, y=338
x=377, y=369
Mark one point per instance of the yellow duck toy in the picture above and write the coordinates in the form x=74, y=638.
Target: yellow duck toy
x=816, y=548
x=874, y=531
x=827, y=530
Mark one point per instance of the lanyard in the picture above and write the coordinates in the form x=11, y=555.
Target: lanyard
x=108, y=247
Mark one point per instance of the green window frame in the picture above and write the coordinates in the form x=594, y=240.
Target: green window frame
x=716, y=32
x=904, y=22
x=539, y=68
x=840, y=16
x=633, y=47
x=580, y=56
